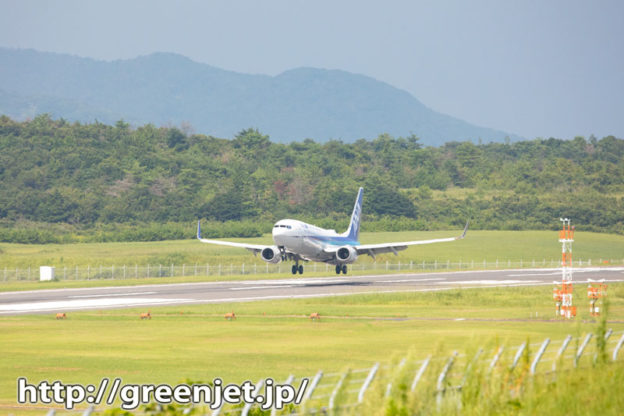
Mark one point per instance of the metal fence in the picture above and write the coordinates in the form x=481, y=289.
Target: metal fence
x=188, y=270
x=328, y=393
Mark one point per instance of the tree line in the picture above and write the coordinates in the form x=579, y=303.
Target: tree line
x=62, y=182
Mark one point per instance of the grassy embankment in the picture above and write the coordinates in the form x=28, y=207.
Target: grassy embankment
x=275, y=338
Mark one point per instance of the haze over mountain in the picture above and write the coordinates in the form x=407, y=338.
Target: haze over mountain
x=164, y=88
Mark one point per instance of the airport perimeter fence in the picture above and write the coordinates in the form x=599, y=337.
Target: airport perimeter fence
x=442, y=377
x=190, y=270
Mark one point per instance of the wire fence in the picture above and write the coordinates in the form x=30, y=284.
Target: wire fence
x=442, y=376
x=189, y=270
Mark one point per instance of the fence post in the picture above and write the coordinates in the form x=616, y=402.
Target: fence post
x=518, y=355
x=367, y=382
x=124, y=271
x=420, y=372
x=606, y=338
x=257, y=388
x=469, y=367
x=183, y=266
x=577, y=357
x=389, y=386
x=539, y=355
x=617, y=347
x=442, y=377
x=496, y=357
x=172, y=271
x=289, y=380
x=566, y=341
x=313, y=385
x=335, y=392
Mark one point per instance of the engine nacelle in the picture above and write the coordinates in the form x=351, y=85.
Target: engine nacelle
x=346, y=254
x=271, y=254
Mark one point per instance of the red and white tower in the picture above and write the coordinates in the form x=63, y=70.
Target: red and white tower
x=563, y=295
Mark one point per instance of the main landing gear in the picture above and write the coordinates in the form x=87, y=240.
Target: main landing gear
x=297, y=268
x=341, y=268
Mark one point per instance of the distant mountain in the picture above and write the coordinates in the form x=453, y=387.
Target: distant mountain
x=164, y=88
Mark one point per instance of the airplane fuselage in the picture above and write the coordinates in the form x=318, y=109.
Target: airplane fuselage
x=299, y=241
x=307, y=240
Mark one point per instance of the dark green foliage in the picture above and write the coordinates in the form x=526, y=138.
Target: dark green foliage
x=147, y=183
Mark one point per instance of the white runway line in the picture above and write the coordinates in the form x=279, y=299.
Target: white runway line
x=82, y=304
x=414, y=280
x=112, y=294
x=490, y=282
x=535, y=274
x=259, y=287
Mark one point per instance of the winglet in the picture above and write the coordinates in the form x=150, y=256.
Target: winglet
x=199, y=229
x=465, y=230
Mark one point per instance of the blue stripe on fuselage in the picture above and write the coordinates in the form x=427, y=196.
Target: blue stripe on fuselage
x=335, y=241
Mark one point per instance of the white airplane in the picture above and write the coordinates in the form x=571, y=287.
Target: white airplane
x=297, y=241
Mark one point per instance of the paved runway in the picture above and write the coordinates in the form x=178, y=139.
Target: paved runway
x=63, y=300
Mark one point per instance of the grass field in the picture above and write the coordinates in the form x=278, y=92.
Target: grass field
x=275, y=338
x=477, y=246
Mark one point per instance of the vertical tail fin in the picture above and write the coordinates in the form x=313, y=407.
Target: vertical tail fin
x=354, y=226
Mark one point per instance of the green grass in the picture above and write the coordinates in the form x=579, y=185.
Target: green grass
x=275, y=338
x=477, y=246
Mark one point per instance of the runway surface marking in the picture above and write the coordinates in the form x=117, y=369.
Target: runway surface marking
x=492, y=282
x=84, y=304
x=259, y=287
x=113, y=294
x=169, y=294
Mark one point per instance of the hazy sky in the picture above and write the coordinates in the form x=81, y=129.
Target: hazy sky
x=533, y=68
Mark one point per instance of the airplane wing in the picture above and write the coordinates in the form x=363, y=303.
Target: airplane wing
x=374, y=249
x=254, y=248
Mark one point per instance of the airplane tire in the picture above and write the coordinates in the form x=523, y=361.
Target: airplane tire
x=344, y=269
x=338, y=269
x=301, y=269
x=294, y=269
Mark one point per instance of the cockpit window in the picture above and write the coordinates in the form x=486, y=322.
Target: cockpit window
x=282, y=226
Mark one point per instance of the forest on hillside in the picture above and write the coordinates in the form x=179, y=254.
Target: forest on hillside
x=62, y=182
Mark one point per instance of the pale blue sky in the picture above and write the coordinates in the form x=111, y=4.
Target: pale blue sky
x=533, y=68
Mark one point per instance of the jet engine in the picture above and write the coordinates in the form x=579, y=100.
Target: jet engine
x=346, y=254
x=271, y=254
